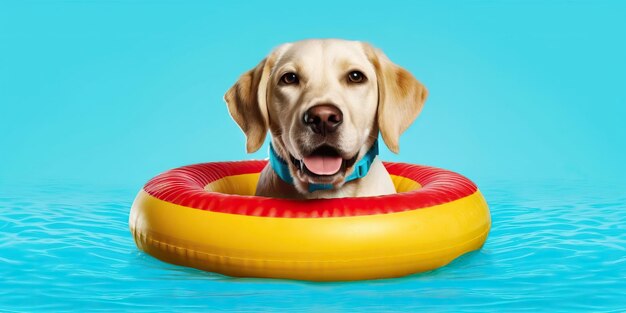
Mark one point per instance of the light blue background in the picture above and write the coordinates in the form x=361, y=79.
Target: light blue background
x=113, y=92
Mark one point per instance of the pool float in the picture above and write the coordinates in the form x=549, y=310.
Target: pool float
x=207, y=217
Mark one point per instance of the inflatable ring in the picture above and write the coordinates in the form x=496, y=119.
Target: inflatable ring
x=205, y=216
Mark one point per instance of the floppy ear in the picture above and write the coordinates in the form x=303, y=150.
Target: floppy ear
x=246, y=101
x=400, y=97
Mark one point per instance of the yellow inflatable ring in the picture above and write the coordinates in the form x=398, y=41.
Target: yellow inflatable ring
x=205, y=216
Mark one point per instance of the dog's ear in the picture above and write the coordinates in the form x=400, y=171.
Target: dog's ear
x=246, y=101
x=400, y=97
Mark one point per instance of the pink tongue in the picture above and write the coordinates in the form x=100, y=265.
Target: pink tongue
x=323, y=165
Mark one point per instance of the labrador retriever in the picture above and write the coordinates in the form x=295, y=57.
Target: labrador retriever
x=324, y=102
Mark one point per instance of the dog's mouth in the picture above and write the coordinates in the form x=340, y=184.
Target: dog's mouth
x=323, y=162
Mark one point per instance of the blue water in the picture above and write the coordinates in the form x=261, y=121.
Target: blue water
x=553, y=247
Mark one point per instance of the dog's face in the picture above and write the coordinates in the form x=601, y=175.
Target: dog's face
x=324, y=102
x=322, y=105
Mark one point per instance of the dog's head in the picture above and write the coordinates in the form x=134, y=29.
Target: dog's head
x=324, y=102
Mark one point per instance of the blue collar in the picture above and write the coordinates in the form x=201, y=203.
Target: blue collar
x=361, y=168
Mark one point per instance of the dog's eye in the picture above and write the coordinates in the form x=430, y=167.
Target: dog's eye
x=356, y=77
x=289, y=78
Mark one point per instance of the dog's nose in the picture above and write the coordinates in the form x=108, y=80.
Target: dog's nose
x=323, y=118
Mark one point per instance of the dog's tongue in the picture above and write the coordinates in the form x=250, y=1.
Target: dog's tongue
x=323, y=165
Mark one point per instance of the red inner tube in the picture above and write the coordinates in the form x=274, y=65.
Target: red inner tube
x=185, y=186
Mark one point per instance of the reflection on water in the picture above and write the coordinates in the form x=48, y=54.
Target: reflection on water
x=552, y=246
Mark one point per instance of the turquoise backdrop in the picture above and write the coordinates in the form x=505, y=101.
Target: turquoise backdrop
x=114, y=92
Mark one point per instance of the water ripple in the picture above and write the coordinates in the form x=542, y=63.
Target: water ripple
x=553, y=247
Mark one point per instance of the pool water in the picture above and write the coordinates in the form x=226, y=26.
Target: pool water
x=553, y=247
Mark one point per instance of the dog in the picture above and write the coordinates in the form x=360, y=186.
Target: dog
x=324, y=102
